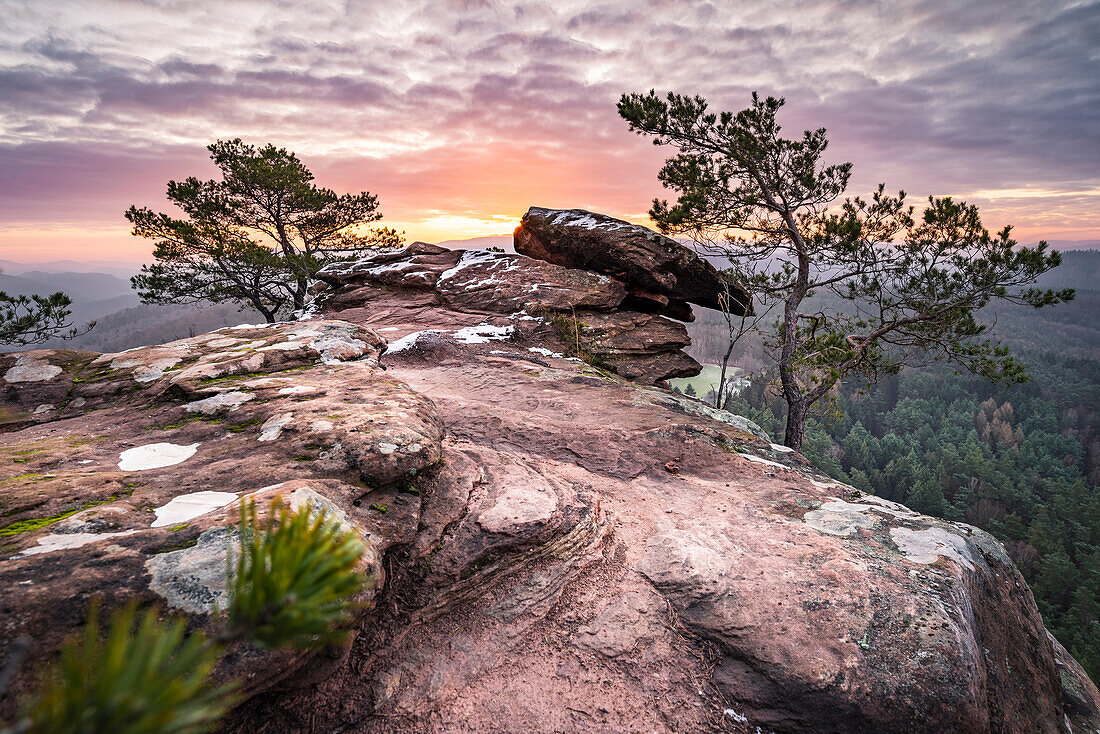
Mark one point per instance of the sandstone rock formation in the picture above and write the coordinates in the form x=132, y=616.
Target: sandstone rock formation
x=655, y=268
x=552, y=547
x=583, y=306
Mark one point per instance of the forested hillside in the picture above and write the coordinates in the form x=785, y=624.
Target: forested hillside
x=121, y=320
x=1021, y=461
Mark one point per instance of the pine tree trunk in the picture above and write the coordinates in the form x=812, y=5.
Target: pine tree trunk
x=300, y=294
x=796, y=425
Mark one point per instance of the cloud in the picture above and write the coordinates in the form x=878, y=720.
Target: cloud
x=477, y=108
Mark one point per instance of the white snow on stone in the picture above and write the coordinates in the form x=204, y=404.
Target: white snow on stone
x=88, y=461
x=497, y=264
x=483, y=333
x=781, y=449
x=394, y=267
x=189, y=506
x=524, y=316
x=297, y=389
x=544, y=352
x=274, y=425
x=343, y=267
x=155, y=456
x=761, y=460
x=739, y=718
x=62, y=541
x=470, y=257
x=211, y=405
x=587, y=221
x=29, y=369
x=388, y=328
x=308, y=312
x=407, y=341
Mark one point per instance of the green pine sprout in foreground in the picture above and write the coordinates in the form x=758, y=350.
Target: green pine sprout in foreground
x=147, y=676
x=293, y=584
x=295, y=578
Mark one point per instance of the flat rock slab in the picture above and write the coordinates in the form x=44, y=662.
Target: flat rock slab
x=501, y=283
x=129, y=488
x=657, y=267
x=416, y=267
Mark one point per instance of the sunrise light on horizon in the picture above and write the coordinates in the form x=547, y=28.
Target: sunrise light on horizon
x=461, y=115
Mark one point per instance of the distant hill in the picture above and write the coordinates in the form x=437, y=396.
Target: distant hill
x=1080, y=269
x=122, y=321
x=503, y=241
x=80, y=286
x=118, y=269
x=140, y=325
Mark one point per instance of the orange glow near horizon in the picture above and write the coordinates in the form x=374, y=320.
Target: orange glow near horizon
x=40, y=243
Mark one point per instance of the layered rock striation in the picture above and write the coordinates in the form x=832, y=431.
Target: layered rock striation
x=552, y=546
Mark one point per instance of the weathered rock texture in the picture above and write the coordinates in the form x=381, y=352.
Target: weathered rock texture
x=585, y=308
x=553, y=548
x=122, y=472
x=655, y=268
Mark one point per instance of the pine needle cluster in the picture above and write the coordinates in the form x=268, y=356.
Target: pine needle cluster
x=293, y=584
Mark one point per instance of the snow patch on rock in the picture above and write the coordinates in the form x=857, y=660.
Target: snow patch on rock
x=483, y=334
x=468, y=258
x=64, y=541
x=189, y=506
x=155, y=456
x=407, y=341
x=587, y=221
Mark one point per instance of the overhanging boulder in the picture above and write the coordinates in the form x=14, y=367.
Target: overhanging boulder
x=654, y=268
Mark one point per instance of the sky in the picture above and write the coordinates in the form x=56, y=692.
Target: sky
x=460, y=115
